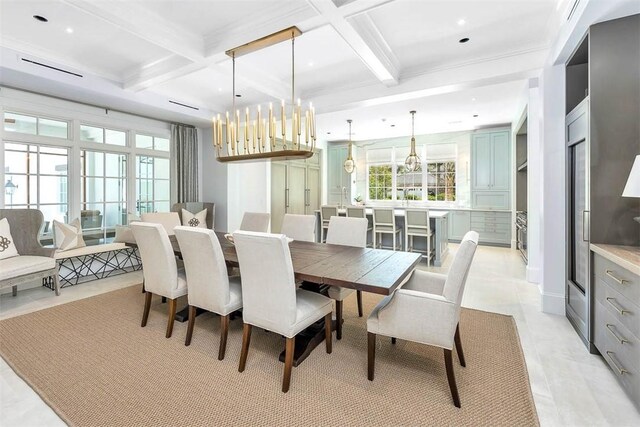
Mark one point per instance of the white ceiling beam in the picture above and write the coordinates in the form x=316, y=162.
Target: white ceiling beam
x=364, y=38
x=428, y=83
x=146, y=25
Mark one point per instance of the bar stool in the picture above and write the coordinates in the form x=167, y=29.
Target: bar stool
x=326, y=212
x=416, y=223
x=360, y=212
x=384, y=222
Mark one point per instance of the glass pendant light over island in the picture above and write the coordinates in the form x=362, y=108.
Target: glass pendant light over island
x=260, y=137
x=413, y=161
x=349, y=164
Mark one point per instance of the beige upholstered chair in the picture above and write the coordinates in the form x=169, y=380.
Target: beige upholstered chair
x=168, y=220
x=384, y=222
x=326, y=212
x=195, y=207
x=426, y=310
x=270, y=298
x=299, y=227
x=255, y=221
x=34, y=262
x=161, y=275
x=346, y=232
x=209, y=286
x=359, y=212
x=417, y=224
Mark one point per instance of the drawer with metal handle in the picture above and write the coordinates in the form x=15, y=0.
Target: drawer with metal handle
x=620, y=279
x=610, y=334
x=620, y=308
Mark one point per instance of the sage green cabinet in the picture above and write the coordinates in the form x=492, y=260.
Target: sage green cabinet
x=459, y=224
x=491, y=170
x=339, y=188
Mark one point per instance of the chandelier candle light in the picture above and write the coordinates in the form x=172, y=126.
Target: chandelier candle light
x=260, y=136
x=413, y=161
x=349, y=164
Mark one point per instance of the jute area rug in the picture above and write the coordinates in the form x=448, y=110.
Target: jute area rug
x=95, y=366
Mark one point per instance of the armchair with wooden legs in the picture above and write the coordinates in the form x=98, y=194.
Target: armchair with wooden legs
x=161, y=275
x=269, y=296
x=426, y=310
x=209, y=286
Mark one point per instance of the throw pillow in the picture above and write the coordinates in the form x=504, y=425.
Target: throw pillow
x=124, y=234
x=67, y=236
x=7, y=246
x=194, y=220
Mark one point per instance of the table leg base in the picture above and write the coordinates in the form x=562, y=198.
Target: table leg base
x=183, y=315
x=307, y=340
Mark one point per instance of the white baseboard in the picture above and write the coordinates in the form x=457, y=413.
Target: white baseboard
x=533, y=274
x=552, y=303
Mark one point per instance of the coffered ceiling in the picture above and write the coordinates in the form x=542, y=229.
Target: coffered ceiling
x=368, y=57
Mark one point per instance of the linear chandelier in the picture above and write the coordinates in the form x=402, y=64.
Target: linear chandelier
x=261, y=138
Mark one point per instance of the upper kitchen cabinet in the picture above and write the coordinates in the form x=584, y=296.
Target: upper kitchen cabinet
x=490, y=170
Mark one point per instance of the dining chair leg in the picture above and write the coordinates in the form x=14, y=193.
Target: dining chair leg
x=147, y=307
x=14, y=290
x=448, y=362
x=246, y=338
x=393, y=340
x=224, y=331
x=288, y=363
x=191, y=324
x=172, y=316
x=338, y=320
x=458, y=342
x=327, y=333
x=359, y=297
x=371, y=355
x=428, y=251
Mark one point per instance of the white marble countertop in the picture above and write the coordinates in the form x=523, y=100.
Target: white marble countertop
x=398, y=212
x=625, y=256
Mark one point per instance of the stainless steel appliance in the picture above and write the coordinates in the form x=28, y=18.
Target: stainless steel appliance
x=521, y=233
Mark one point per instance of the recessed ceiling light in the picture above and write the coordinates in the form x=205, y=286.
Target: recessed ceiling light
x=384, y=120
x=393, y=126
x=219, y=89
x=238, y=96
x=461, y=22
x=464, y=40
x=475, y=115
x=40, y=18
x=473, y=99
x=69, y=30
x=328, y=133
x=310, y=63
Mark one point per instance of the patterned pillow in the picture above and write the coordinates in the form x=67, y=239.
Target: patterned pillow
x=7, y=246
x=67, y=236
x=194, y=220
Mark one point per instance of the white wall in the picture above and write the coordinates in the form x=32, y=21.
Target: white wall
x=213, y=184
x=534, y=182
x=248, y=190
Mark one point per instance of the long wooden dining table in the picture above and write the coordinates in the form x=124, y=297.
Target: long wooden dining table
x=321, y=265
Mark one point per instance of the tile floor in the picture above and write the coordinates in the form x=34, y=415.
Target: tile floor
x=570, y=386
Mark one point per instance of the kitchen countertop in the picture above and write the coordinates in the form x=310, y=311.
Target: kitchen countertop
x=441, y=208
x=625, y=256
x=400, y=212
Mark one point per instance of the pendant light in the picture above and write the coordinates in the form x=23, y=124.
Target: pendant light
x=349, y=164
x=413, y=161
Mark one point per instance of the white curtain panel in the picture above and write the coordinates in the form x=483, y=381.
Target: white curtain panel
x=184, y=164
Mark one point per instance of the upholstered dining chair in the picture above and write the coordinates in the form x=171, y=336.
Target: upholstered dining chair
x=299, y=227
x=161, y=275
x=270, y=298
x=426, y=310
x=417, y=224
x=384, y=222
x=326, y=212
x=209, y=286
x=359, y=212
x=168, y=220
x=255, y=221
x=347, y=232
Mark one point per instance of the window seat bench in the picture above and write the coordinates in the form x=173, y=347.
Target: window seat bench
x=94, y=262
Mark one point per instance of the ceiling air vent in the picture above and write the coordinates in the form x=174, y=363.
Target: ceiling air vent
x=184, y=105
x=572, y=10
x=51, y=67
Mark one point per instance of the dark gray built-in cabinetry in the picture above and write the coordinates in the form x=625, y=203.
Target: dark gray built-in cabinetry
x=602, y=139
